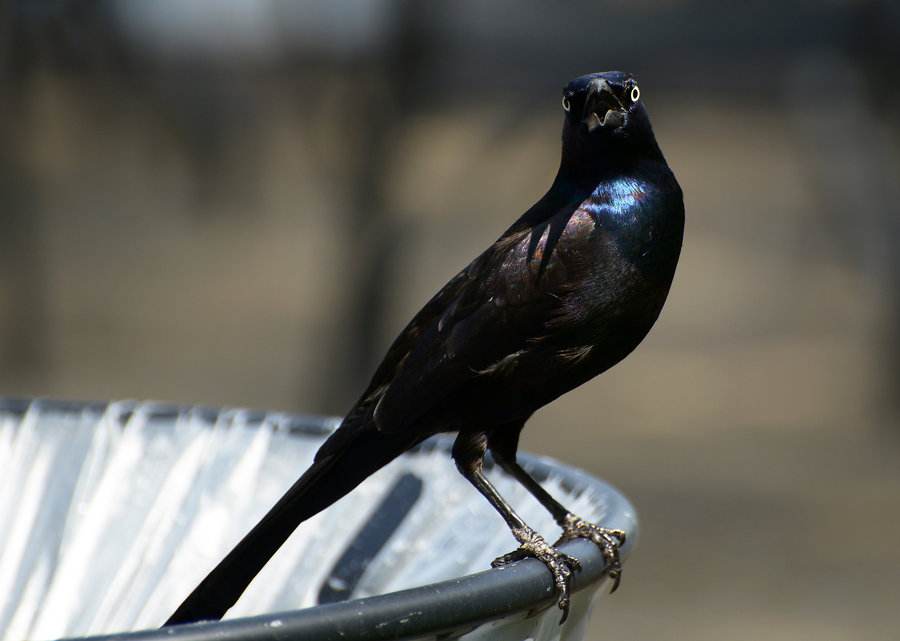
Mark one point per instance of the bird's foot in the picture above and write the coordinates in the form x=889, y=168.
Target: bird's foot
x=574, y=527
x=561, y=565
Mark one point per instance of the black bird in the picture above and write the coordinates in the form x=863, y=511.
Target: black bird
x=565, y=293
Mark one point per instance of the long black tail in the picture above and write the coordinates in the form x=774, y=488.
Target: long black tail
x=328, y=479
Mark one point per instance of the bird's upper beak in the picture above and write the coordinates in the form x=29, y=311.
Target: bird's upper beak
x=602, y=108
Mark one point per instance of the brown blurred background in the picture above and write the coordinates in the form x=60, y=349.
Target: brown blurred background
x=241, y=202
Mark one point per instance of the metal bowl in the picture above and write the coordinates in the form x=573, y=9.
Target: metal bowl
x=111, y=512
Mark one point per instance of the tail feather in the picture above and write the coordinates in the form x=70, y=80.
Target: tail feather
x=327, y=480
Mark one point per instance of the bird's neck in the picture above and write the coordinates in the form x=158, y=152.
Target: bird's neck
x=580, y=170
x=575, y=183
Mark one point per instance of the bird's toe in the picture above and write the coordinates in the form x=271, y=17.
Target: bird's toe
x=561, y=565
x=608, y=540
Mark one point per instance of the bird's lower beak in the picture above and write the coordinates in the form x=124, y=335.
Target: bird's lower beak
x=602, y=108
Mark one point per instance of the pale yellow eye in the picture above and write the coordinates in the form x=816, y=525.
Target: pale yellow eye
x=566, y=104
x=635, y=93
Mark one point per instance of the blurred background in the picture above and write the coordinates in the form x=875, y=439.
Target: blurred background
x=241, y=202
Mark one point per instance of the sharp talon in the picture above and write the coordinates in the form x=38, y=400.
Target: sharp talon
x=564, y=606
x=508, y=559
x=616, y=575
x=501, y=562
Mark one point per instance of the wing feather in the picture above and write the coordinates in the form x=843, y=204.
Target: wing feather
x=488, y=313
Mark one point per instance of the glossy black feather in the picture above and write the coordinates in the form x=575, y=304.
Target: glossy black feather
x=565, y=293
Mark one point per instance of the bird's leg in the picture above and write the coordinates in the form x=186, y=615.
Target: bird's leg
x=468, y=452
x=573, y=526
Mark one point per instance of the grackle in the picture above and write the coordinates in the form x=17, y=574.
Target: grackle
x=569, y=290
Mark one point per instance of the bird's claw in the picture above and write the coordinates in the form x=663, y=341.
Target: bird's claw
x=561, y=565
x=609, y=541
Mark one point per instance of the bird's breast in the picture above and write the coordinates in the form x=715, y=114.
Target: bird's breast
x=627, y=233
x=616, y=258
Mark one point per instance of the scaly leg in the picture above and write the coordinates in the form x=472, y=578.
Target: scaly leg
x=468, y=452
x=503, y=446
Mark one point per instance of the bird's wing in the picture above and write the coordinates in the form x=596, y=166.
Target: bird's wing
x=491, y=311
x=420, y=331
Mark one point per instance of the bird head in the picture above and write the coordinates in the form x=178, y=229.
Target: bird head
x=604, y=118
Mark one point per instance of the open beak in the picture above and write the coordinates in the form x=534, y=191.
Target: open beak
x=602, y=108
